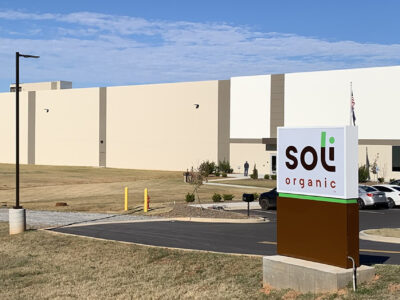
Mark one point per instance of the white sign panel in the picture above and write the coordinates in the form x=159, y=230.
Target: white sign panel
x=318, y=161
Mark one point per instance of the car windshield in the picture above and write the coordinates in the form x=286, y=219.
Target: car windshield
x=396, y=188
x=368, y=188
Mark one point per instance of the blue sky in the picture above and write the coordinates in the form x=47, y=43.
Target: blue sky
x=104, y=43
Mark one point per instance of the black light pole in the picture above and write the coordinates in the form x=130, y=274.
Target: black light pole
x=17, y=56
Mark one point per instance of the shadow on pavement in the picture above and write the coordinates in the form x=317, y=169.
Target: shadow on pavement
x=370, y=260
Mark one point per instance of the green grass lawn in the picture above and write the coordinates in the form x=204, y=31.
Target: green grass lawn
x=265, y=183
x=43, y=265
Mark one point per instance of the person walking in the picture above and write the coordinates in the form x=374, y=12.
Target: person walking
x=246, y=168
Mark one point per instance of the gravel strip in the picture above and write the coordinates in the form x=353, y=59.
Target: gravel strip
x=37, y=218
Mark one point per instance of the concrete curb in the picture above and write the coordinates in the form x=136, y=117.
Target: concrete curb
x=183, y=219
x=378, y=238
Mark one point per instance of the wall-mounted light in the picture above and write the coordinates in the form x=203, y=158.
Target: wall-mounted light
x=46, y=110
x=196, y=106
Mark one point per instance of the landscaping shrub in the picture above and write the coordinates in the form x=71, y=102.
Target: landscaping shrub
x=362, y=174
x=189, y=197
x=392, y=179
x=273, y=177
x=207, y=167
x=225, y=167
x=216, y=197
x=217, y=174
x=228, y=196
x=224, y=175
x=266, y=176
x=256, y=196
x=255, y=173
x=381, y=179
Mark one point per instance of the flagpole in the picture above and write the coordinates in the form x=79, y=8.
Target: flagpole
x=351, y=108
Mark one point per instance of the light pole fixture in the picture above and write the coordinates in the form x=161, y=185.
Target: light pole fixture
x=17, y=214
x=17, y=56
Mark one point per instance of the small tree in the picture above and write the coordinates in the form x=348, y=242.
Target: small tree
x=207, y=167
x=255, y=173
x=374, y=166
x=362, y=174
x=197, y=179
x=224, y=166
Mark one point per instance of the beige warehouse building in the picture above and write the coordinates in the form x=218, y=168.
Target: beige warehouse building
x=163, y=126
x=176, y=126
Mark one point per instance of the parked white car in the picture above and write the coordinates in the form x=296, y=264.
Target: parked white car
x=392, y=193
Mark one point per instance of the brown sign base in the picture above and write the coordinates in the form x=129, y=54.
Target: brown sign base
x=319, y=231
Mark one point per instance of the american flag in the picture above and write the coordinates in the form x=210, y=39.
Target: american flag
x=353, y=103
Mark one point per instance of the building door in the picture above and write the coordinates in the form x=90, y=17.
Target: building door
x=273, y=163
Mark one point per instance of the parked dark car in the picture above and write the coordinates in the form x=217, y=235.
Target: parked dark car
x=267, y=200
x=395, y=182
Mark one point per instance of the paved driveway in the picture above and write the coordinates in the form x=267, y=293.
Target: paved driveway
x=258, y=239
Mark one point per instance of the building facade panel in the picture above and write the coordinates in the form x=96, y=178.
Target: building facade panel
x=254, y=154
x=250, y=106
x=162, y=126
x=382, y=155
x=67, y=127
x=7, y=127
x=323, y=99
x=224, y=99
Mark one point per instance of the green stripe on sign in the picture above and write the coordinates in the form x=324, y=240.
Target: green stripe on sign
x=316, y=198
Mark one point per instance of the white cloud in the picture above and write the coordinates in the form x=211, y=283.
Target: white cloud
x=99, y=49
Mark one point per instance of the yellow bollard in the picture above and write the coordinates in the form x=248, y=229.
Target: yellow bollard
x=145, y=200
x=126, y=198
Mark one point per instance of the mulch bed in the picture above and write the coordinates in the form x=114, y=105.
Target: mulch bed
x=184, y=210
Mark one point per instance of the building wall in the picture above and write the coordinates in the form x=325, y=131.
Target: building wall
x=68, y=133
x=323, y=99
x=250, y=107
x=7, y=127
x=159, y=127
x=43, y=86
x=254, y=153
x=383, y=156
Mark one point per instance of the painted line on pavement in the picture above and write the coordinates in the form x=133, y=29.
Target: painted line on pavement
x=380, y=251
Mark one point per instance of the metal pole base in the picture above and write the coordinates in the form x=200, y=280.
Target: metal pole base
x=17, y=220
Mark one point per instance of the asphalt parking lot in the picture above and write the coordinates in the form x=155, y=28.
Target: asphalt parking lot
x=369, y=218
x=257, y=239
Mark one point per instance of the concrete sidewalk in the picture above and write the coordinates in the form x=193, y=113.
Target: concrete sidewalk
x=37, y=218
x=235, y=176
x=236, y=186
x=230, y=205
